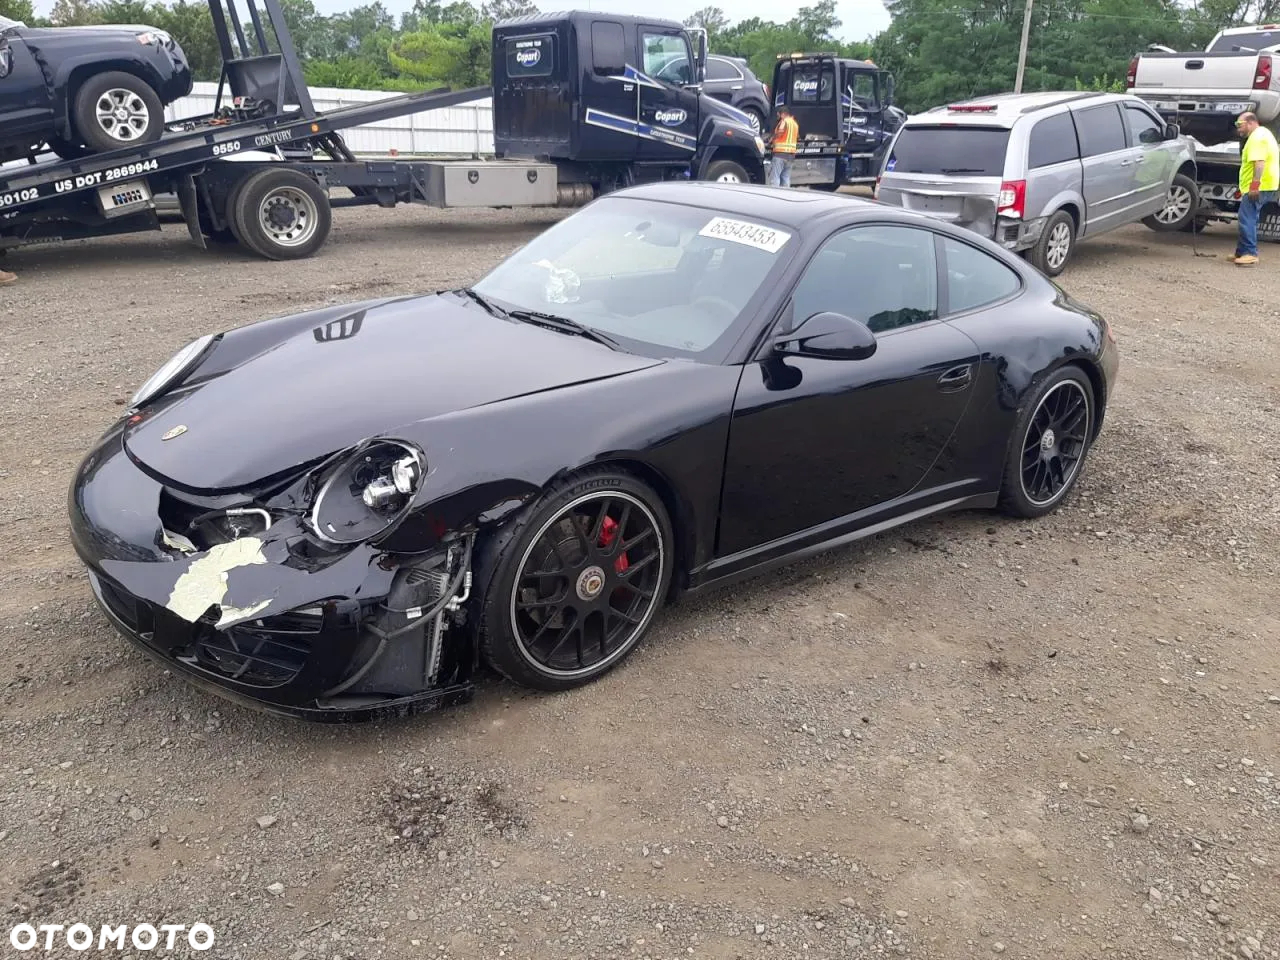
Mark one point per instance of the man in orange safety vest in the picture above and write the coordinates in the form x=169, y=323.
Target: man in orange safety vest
x=786, y=136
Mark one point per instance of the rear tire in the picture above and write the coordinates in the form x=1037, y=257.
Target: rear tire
x=1057, y=242
x=117, y=110
x=1179, y=210
x=67, y=150
x=280, y=214
x=1049, y=444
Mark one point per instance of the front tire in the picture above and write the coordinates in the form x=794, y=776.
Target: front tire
x=727, y=171
x=1179, y=210
x=574, y=583
x=117, y=110
x=1056, y=244
x=1050, y=442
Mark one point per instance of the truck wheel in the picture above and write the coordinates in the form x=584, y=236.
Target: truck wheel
x=281, y=214
x=1179, y=207
x=1056, y=244
x=115, y=110
x=726, y=171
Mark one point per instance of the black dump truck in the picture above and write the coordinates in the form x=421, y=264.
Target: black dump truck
x=583, y=104
x=846, y=115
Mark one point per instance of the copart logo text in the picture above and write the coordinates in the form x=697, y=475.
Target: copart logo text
x=671, y=118
x=82, y=937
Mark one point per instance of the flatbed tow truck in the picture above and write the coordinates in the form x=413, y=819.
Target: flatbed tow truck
x=257, y=171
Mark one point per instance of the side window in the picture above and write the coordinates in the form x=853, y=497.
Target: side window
x=974, y=278
x=608, y=48
x=886, y=277
x=666, y=56
x=1053, y=140
x=1143, y=127
x=718, y=69
x=1101, y=130
x=862, y=91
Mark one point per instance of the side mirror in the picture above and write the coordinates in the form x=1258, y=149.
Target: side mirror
x=888, y=89
x=831, y=336
x=1171, y=131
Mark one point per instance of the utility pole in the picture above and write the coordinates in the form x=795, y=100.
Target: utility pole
x=1022, y=50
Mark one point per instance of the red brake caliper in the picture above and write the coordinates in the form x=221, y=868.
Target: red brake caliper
x=609, y=530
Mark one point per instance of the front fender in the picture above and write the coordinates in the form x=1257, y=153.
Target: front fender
x=720, y=137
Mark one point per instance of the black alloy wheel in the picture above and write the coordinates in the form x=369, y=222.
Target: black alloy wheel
x=1050, y=444
x=576, y=584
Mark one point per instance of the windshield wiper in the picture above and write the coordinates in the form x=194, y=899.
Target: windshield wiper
x=484, y=301
x=961, y=170
x=565, y=325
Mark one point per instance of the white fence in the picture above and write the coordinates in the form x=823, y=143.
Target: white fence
x=464, y=130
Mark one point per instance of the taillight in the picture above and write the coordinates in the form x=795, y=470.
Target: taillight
x=1013, y=199
x=1262, y=78
x=1131, y=79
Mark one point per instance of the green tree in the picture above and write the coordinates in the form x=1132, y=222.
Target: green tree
x=18, y=10
x=456, y=54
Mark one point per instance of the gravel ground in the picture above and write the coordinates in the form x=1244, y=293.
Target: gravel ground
x=966, y=738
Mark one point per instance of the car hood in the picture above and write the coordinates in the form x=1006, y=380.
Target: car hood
x=46, y=34
x=711, y=107
x=285, y=392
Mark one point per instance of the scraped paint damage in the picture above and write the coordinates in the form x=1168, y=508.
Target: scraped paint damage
x=204, y=583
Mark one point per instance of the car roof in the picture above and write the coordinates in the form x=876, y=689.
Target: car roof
x=796, y=209
x=1009, y=107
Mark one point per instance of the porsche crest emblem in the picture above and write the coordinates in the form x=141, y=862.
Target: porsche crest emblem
x=177, y=431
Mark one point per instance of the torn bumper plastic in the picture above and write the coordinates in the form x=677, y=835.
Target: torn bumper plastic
x=246, y=619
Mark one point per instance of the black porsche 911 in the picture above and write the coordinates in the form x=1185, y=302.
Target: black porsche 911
x=348, y=512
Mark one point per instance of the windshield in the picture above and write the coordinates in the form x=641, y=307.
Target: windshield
x=1253, y=40
x=968, y=151
x=663, y=279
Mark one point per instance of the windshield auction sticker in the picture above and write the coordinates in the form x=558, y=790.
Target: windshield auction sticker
x=750, y=234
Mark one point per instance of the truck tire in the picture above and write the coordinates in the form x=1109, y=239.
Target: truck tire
x=1056, y=244
x=1179, y=207
x=280, y=214
x=727, y=171
x=116, y=110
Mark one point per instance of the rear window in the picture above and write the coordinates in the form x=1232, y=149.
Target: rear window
x=1254, y=40
x=971, y=151
x=530, y=56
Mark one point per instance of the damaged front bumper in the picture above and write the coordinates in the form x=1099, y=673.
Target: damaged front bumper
x=272, y=618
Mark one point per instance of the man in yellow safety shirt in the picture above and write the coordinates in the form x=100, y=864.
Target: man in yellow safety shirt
x=786, y=136
x=1259, y=183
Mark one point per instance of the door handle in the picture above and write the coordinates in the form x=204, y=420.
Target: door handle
x=956, y=378
x=1126, y=163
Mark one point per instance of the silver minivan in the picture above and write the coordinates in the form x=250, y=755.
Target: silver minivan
x=1037, y=171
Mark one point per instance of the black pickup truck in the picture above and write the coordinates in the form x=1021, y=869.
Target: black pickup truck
x=85, y=90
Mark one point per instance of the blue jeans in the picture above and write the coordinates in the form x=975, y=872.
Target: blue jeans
x=1247, y=243
x=780, y=170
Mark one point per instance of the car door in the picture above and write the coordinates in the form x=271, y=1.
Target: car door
x=818, y=441
x=25, y=107
x=1110, y=179
x=668, y=108
x=724, y=79
x=1154, y=157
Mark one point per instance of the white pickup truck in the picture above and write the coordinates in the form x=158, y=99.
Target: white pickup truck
x=1204, y=91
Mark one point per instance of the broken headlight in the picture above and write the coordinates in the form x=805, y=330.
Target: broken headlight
x=368, y=491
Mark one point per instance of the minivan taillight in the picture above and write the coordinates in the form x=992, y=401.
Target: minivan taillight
x=1262, y=77
x=1013, y=199
x=1131, y=78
